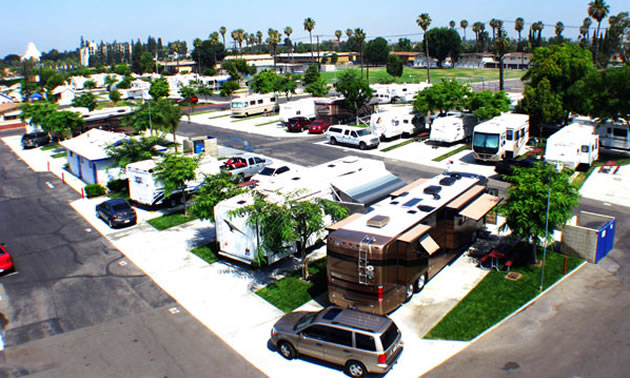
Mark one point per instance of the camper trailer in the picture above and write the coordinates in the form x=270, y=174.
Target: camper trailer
x=453, y=128
x=502, y=137
x=377, y=260
x=389, y=93
x=396, y=122
x=299, y=108
x=573, y=145
x=245, y=106
x=614, y=136
x=144, y=189
x=353, y=182
x=381, y=93
x=335, y=111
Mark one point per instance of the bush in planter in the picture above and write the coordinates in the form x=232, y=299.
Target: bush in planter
x=94, y=190
x=118, y=186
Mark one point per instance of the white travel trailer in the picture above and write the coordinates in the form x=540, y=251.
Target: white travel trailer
x=453, y=128
x=406, y=92
x=381, y=93
x=245, y=106
x=146, y=190
x=614, y=136
x=395, y=122
x=502, y=137
x=573, y=145
x=351, y=181
x=304, y=107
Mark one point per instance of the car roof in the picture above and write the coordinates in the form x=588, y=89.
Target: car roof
x=355, y=319
x=116, y=201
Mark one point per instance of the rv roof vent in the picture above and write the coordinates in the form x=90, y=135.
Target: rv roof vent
x=457, y=176
x=411, y=212
x=331, y=165
x=426, y=208
x=448, y=181
x=241, y=202
x=378, y=221
x=394, y=203
x=432, y=189
x=295, y=178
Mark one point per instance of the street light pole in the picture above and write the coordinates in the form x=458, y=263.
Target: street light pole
x=542, y=270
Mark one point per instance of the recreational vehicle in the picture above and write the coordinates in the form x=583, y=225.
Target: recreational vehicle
x=144, y=189
x=381, y=93
x=389, y=93
x=299, y=108
x=377, y=260
x=573, y=145
x=352, y=182
x=502, y=137
x=452, y=128
x=396, y=122
x=614, y=136
x=245, y=106
x=335, y=110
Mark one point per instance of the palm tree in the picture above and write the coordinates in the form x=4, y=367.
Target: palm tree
x=309, y=25
x=349, y=33
x=477, y=28
x=246, y=39
x=559, y=29
x=519, y=24
x=586, y=24
x=494, y=24
x=214, y=38
x=464, y=25
x=223, y=30
x=234, y=35
x=423, y=21
x=338, y=34
x=288, y=31
x=252, y=39
x=259, y=37
x=134, y=150
x=273, y=41
x=452, y=24
x=598, y=10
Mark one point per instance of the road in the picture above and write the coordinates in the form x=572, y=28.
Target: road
x=78, y=307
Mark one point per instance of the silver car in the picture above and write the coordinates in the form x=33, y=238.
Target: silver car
x=361, y=342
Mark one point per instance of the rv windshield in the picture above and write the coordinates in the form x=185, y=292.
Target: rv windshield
x=488, y=142
x=238, y=104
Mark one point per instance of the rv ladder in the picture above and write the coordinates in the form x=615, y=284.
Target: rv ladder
x=364, y=248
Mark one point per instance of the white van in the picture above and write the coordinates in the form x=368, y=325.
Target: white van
x=352, y=135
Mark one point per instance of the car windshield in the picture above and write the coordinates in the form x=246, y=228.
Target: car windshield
x=306, y=320
x=486, y=140
x=236, y=105
x=388, y=338
x=362, y=132
x=267, y=171
x=120, y=206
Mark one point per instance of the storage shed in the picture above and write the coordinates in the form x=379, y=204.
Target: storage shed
x=589, y=236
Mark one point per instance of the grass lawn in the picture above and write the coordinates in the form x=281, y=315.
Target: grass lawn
x=255, y=116
x=496, y=297
x=267, y=123
x=50, y=147
x=170, y=220
x=59, y=155
x=121, y=195
x=291, y=292
x=208, y=252
x=604, y=157
x=215, y=117
x=404, y=143
x=416, y=75
x=455, y=151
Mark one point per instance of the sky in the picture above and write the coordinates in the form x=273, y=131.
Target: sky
x=60, y=24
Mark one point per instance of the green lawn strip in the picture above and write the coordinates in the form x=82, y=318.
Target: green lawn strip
x=416, y=139
x=603, y=159
x=59, y=155
x=170, y=220
x=291, y=292
x=208, y=252
x=451, y=153
x=255, y=116
x=121, y=195
x=215, y=117
x=496, y=297
x=50, y=147
x=267, y=123
x=415, y=75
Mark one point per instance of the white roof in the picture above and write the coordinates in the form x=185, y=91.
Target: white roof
x=62, y=88
x=31, y=52
x=92, y=145
x=504, y=121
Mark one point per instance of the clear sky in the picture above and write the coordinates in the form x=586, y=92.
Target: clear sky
x=60, y=24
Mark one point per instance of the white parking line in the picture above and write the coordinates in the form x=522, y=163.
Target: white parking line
x=50, y=185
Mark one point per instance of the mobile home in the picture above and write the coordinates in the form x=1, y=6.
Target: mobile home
x=502, y=137
x=245, y=106
x=453, y=128
x=573, y=145
x=396, y=122
x=299, y=108
x=377, y=260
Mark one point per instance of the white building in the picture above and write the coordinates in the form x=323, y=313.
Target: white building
x=64, y=95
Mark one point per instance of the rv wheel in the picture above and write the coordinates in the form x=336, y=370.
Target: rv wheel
x=409, y=292
x=419, y=284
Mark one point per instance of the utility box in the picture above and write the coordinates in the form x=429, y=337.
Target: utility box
x=589, y=236
x=202, y=145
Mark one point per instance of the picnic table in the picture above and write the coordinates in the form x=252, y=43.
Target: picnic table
x=503, y=254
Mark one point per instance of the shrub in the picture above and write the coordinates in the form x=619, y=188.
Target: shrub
x=94, y=190
x=118, y=185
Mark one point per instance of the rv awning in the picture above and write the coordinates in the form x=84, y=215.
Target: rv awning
x=343, y=222
x=414, y=233
x=465, y=197
x=429, y=244
x=408, y=187
x=480, y=207
x=367, y=187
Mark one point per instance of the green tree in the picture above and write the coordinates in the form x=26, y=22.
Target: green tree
x=208, y=53
x=525, y=207
x=359, y=36
x=394, y=66
x=377, y=51
x=597, y=10
x=115, y=96
x=237, y=68
x=318, y=88
x=86, y=100
x=443, y=43
x=356, y=91
x=215, y=188
x=404, y=44
x=464, y=24
x=135, y=149
x=35, y=114
x=159, y=88
x=264, y=82
x=187, y=92
x=285, y=84
x=62, y=123
x=54, y=81
x=122, y=69
x=424, y=21
x=174, y=171
x=309, y=25
x=165, y=116
x=443, y=96
x=125, y=83
x=610, y=94
x=147, y=62
x=543, y=105
x=334, y=58
x=486, y=105
x=311, y=75
x=229, y=87
x=89, y=84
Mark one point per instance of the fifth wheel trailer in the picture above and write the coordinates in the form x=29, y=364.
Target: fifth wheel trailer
x=377, y=260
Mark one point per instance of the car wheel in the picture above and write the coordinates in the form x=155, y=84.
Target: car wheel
x=420, y=282
x=286, y=350
x=355, y=369
x=409, y=292
x=362, y=146
x=333, y=141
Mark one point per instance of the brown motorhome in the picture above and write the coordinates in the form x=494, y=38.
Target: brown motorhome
x=377, y=260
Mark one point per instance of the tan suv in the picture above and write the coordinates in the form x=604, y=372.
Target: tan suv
x=361, y=342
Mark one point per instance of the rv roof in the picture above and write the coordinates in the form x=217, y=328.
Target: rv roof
x=504, y=121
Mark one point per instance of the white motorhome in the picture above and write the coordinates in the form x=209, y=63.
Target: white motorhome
x=453, y=128
x=395, y=122
x=146, y=190
x=304, y=107
x=351, y=181
x=502, y=137
x=573, y=145
x=245, y=106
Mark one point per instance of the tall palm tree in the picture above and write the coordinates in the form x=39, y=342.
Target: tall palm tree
x=246, y=39
x=586, y=24
x=259, y=37
x=252, y=39
x=519, y=24
x=423, y=21
x=349, y=33
x=214, y=38
x=309, y=25
x=223, y=30
x=288, y=31
x=598, y=10
x=234, y=35
x=338, y=34
x=464, y=24
x=359, y=35
x=559, y=29
x=452, y=24
x=273, y=40
x=494, y=24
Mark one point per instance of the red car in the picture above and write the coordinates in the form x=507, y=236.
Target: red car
x=6, y=262
x=318, y=126
x=298, y=124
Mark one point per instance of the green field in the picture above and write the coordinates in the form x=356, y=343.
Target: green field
x=416, y=75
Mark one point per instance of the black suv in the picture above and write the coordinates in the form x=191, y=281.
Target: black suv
x=506, y=167
x=35, y=139
x=298, y=124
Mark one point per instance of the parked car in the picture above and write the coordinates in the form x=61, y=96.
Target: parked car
x=35, y=139
x=269, y=173
x=318, y=126
x=506, y=167
x=6, y=262
x=116, y=212
x=244, y=165
x=352, y=135
x=298, y=124
x=361, y=342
